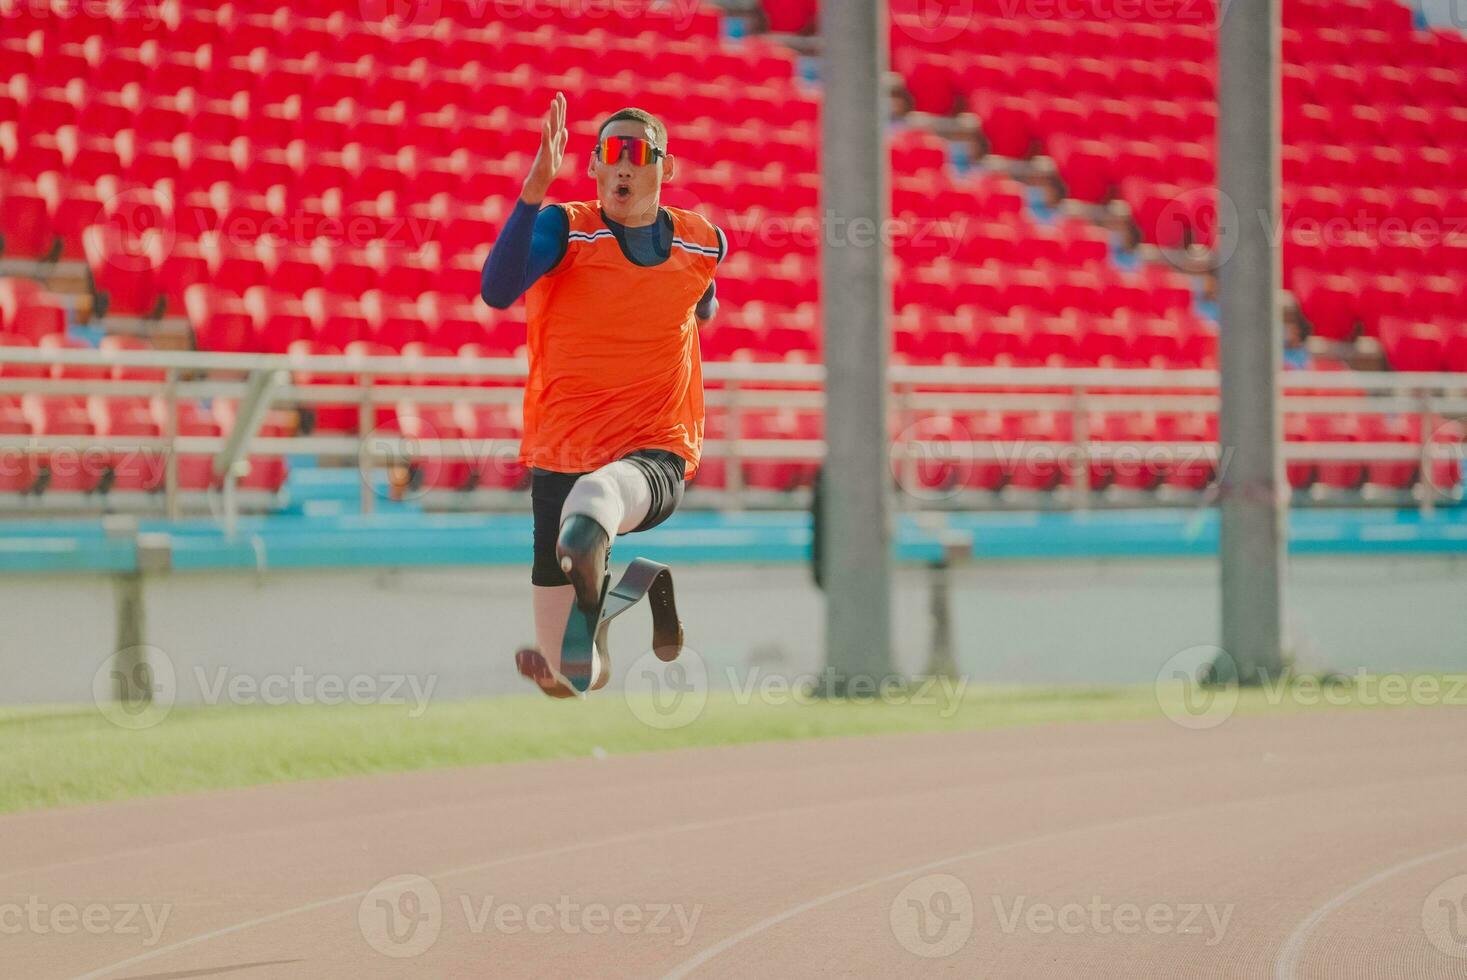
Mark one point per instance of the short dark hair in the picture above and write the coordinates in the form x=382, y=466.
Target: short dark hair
x=642, y=116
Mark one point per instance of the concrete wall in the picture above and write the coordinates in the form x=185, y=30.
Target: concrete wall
x=1072, y=622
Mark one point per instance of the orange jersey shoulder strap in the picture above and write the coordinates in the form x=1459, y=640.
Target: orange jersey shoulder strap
x=695, y=233
x=584, y=216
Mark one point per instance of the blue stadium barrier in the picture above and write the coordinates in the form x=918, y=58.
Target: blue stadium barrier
x=408, y=539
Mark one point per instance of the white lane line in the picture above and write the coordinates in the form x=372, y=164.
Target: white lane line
x=686, y=967
x=679, y=828
x=452, y=873
x=1287, y=960
x=232, y=836
x=499, y=862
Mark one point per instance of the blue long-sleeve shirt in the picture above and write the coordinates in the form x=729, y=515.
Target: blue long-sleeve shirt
x=533, y=242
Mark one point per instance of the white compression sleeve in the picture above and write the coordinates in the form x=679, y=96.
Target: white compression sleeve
x=617, y=496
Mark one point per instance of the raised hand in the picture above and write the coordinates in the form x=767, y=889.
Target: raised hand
x=553, y=137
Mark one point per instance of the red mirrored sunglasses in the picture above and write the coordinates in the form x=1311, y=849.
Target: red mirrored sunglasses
x=640, y=151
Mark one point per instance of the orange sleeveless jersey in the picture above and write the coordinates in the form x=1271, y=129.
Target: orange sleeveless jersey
x=614, y=359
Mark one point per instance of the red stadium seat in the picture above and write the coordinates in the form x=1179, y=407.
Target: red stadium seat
x=1331, y=303
x=437, y=422
x=134, y=470
x=266, y=472
x=61, y=372
x=219, y=320
x=17, y=470
x=497, y=467
x=1090, y=166
x=325, y=417
x=25, y=224
x=123, y=342
x=29, y=311
x=1388, y=474
x=1189, y=470
x=70, y=470
x=195, y=472
x=430, y=354
x=320, y=186
x=72, y=207
x=1412, y=346
x=177, y=266
x=17, y=370
x=453, y=321
x=394, y=322
x=1381, y=297
x=1036, y=466
x=88, y=157
x=338, y=320
x=1008, y=125
x=122, y=271
x=279, y=319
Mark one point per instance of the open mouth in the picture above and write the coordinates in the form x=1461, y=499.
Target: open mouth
x=622, y=192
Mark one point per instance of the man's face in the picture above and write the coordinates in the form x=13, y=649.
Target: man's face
x=630, y=194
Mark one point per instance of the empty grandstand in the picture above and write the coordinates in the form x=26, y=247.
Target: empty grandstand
x=323, y=184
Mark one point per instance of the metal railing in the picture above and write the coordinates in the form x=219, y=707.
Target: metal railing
x=260, y=384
